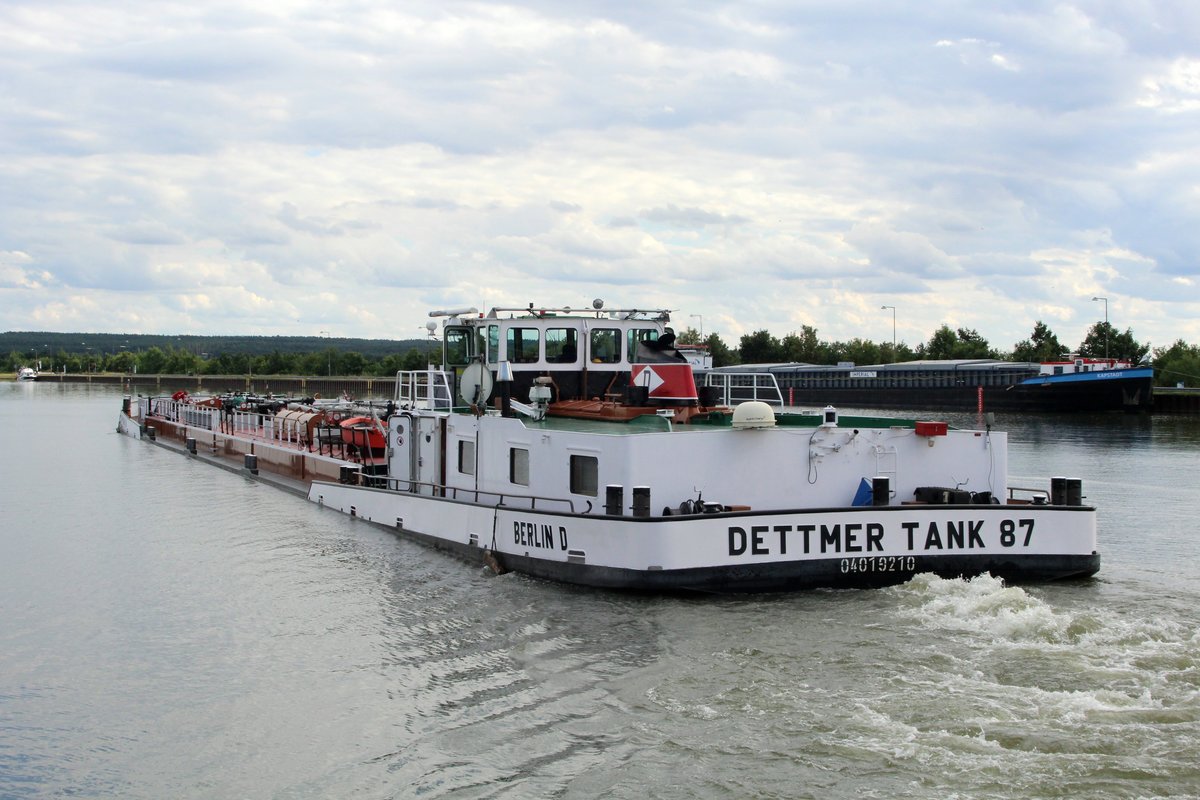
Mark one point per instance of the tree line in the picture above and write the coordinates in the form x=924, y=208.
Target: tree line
x=312, y=356
x=172, y=360
x=1177, y=363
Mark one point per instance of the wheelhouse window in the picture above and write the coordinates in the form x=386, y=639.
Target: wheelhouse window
x=457, y=348
x=522, y=345
x=466, y=457
x=562, y=345
x=584, y=475
x=637, y=336
x=493, y=344
x=518, y=466
x=605, y=346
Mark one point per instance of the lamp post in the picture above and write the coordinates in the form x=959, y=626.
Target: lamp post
x=1105, y=299
x=893, y=308
x=701, y=318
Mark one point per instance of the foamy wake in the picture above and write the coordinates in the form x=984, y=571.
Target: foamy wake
x=1125, y=661
x=985, y=605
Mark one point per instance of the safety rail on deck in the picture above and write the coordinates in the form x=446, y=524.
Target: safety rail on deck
x=426, y=388
x=1039, y=495
x=739, y=387
x=247, y=423
x=453, y=492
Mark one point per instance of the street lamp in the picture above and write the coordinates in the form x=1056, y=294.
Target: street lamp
x=893, y=308
x=701, y=318
x=328, y=356
x=1105, y=299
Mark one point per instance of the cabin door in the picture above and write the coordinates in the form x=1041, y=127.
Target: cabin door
x=416, y=453
x=428, y=466
x=403, y=453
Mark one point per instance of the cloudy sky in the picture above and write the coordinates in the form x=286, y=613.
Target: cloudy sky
x=344, y=167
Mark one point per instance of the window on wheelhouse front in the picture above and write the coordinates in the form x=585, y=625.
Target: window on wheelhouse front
x=561, y=346
x=637, y=335
x=493, y=344
x=522, y=345
x=466, y=457
x=584, y=475
x=605, y=346
x=457, y=347
x=518, y=466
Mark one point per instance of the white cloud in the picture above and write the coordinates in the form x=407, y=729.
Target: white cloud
x=1176, y=89
x=301, y=167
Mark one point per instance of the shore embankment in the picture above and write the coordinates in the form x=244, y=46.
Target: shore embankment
x=1167, y=399
x=357, y=386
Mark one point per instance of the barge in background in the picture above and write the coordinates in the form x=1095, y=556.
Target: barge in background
x=573, y=445
x=1075, y=385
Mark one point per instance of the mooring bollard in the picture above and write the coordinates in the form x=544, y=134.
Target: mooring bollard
x=641, y=501
x=881, y=490
x=614, y=499
x=1074, y=492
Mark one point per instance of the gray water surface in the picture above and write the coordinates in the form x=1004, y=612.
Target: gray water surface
x=168, y=630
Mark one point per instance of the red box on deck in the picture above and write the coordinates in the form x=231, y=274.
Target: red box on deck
x=931, y=429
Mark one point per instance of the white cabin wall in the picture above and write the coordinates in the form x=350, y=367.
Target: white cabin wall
x=764, y=468
x=760, y=468
x=461, y=427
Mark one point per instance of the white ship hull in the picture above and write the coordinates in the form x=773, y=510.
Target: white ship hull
x=742, y=551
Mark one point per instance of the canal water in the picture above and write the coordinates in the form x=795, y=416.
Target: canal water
x=172, y=630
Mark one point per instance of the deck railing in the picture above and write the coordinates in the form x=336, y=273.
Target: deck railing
x=739, y=387
x=427, y=389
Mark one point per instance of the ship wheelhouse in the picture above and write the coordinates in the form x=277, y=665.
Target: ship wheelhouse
x=585, y=353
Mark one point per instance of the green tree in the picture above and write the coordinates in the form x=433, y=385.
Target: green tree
x=689, y=336
x=804, y=346
x=1103, y=341
x=276, y=363
x=948, y=344
x=352, y=364
x=722, y=355
x=323, y=362
x=860, y=351
x=1179, y=363
x=416, y=359
x=890, y=355
x=761, y=347
x=152, y=362
x=940, y=345
x=227, y=364
x=972, y=345
x=1042, y=345
x=179, y=361
x=119, y=362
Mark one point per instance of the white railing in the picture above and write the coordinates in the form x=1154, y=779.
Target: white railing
x=738, y=387
x=427, y=389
